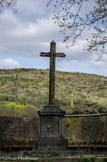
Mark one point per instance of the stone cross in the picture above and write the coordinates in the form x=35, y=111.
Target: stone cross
x=52, y=54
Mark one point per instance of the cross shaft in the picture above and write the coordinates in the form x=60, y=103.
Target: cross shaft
x=52, y=54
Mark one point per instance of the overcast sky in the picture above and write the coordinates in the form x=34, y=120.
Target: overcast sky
x=25, y=35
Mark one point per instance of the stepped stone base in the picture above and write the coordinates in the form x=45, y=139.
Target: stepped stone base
x=51, y=152
x=51, y=139
x=47, y=146
x=51, y=129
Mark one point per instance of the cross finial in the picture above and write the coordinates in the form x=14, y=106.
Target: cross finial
x=53, y=41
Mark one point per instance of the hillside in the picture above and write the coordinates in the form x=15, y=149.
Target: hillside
x=24, y=91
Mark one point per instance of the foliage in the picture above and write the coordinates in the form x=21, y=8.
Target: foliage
x=17, y=110
x=76, y=17
x=23, y=91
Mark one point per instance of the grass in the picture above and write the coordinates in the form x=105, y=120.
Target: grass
x=75, y=92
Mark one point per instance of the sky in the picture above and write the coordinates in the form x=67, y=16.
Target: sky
x=23, y=36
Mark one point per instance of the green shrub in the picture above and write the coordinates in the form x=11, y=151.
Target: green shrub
x=17, y=110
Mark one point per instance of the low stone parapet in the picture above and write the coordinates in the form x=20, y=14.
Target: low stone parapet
x=85, y=130
x=79, y=130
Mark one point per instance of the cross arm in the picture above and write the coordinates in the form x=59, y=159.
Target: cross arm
x=48, y=54
x=60, y=55
x=45, y=54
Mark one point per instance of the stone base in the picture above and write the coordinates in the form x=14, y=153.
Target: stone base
x=51, y=137
x=47, y=146
x=52, y=152
x=51, y=110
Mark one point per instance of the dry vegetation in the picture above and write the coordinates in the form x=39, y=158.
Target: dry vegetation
x=24, y=91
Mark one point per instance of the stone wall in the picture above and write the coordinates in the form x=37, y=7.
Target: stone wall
x=17, y=131
x=85, y=130
x=81, y=130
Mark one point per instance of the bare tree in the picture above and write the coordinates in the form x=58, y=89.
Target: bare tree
x=8, y=4
x=74, y=17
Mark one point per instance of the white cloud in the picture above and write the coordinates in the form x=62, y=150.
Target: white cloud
x=82, y=66
x=9, y=63
x=99, y=64
x=75, y=52
x=67, y=65
x=25, y=38
x=32, y=10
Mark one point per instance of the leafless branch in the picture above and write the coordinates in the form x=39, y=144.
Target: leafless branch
x=8, y=4
x=73, y=23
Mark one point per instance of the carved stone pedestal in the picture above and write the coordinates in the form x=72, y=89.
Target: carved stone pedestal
x=51, y=138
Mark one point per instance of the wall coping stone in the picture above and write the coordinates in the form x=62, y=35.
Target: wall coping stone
x=85, y=115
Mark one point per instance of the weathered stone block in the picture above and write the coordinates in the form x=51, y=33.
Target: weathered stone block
x=85, y=130
x=17, y=131
x=51, y=129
